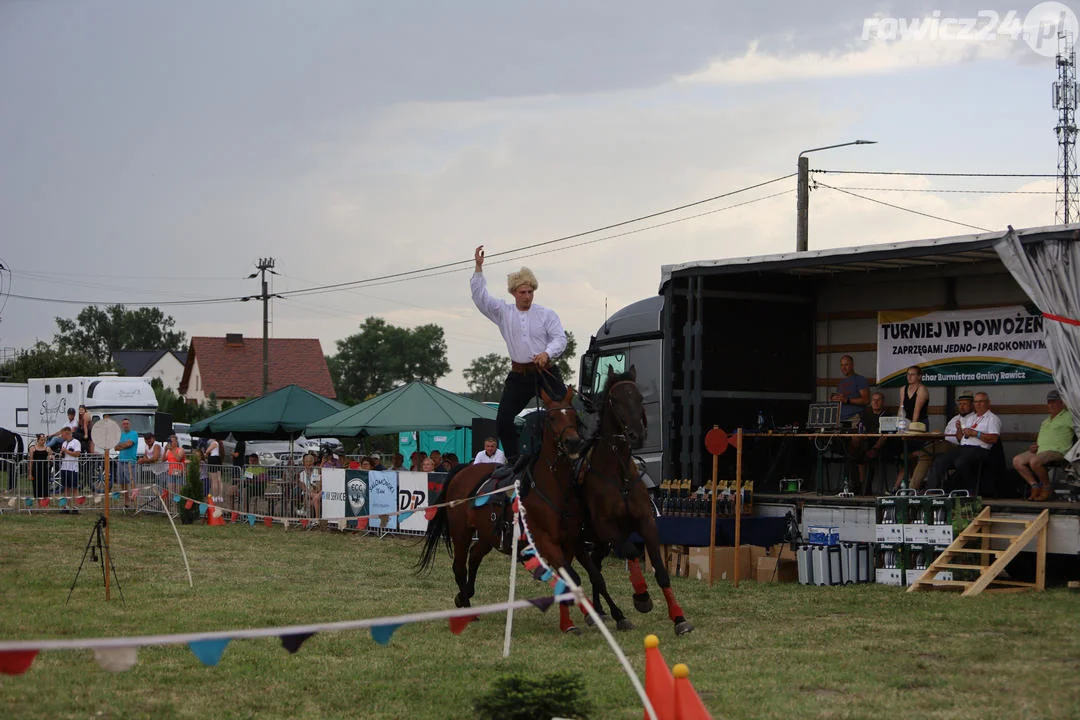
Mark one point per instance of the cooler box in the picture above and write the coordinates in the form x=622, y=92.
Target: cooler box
x=889, y=564
x=891, y=514
x=856, y=565
x=823, y=535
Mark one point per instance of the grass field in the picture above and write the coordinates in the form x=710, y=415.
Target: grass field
x=762, y=651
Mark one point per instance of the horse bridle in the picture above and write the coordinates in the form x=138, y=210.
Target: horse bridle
x=624, y=427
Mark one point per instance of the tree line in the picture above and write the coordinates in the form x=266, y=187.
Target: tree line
x=374, y=360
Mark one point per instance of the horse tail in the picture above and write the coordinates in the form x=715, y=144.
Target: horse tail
x=438, y=529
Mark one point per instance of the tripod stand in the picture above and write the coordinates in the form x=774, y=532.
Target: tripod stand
x=97, y=547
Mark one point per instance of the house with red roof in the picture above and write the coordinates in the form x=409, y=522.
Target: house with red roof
x=231, y=367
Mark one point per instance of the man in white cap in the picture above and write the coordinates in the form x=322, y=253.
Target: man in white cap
x=534, y=337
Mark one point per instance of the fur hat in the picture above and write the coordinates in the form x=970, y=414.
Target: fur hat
x=524, y=276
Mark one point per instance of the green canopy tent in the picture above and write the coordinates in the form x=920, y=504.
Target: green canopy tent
x=409, y=408
x=280, y=415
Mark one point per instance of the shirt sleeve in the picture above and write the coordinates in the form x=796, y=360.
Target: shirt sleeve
x=489, y=306
x=993, y=426
x=556, y=336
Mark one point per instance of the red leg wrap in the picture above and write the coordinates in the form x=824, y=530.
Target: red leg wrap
x=565, y=623
x=673, y=609
x=637, y=580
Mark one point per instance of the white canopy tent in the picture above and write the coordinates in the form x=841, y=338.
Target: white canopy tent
x=1049, y=272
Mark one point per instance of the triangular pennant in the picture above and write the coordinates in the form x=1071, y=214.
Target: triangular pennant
x=202, y=509
x=384, y=521
x=134, y=493
x=177, y=498
x=251, y=520
x=63, y=502
x=81, y=500
x=514, y=505
x=559, y=587
x=382, y=633
x=402, y=517
x=189, y=504
x=482, y=500
x=115, y=495
x=209, y=652
x=458, y=624
x=292, y=643
x=304, y=522
x=538, y=573
x=542, y=604
x=165, y=496
x=44, y=502
x=430, y=513
x=116, y=659
x=285, y=523
x=16, y=662
x=268, y=521
x=547, y=574
x=29, y=502
x=532, y=563
x=361, y=523
x=12, y=501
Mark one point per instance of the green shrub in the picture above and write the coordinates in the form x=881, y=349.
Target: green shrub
x=520, y=697
x=193, y=488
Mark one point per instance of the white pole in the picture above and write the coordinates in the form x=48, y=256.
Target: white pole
x=182, y=552
x=513, y=587
x=599, y=622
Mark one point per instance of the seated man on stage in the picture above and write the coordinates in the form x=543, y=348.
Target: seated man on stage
x=925, y=456
x=1054, y=440
x=976, y=439
x=866, y=451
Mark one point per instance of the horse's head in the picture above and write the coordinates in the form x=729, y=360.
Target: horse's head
x=623, y=409
x=561, y=419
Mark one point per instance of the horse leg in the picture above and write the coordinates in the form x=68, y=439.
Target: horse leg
x=566, y=623
x=461, y=577
x=642, y=601
x=675, y=612
x=600, y=589
x=476, y=554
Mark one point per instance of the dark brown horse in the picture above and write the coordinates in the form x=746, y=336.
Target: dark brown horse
x=551, y=507
x=617, y=500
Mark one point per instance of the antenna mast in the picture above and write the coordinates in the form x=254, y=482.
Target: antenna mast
x=1066, y=209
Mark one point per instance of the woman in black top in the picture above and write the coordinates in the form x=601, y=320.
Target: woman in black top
x=40, y=455
x=915, y=397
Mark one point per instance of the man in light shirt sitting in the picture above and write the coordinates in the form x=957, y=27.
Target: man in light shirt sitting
x=490, y=454
x=965, y=413
x=976, y=439
x=1054, y=440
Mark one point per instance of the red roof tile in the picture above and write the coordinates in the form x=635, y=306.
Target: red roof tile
x=234, y=370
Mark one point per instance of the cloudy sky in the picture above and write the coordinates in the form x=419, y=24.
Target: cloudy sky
x=152, y=152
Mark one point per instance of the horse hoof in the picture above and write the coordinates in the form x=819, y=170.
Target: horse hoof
x=572, y=630
x=591, y=623
x=624, y=624
x=683, y=627
x=461, y=602
x=643, y=603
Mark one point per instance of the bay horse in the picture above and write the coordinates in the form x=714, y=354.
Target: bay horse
x=552, y=509
x=617, y=500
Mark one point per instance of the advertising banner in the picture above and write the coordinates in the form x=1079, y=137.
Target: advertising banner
x=333, y=492
x=413, y=495
x=989, y=346
x=356, y=493
x=382, y=490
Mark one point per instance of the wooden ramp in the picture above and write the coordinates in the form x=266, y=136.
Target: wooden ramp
x=971, y=552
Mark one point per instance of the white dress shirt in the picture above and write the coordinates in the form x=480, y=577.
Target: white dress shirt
x=482, y=457
x=950, y=427
x=988, y=423
x=527, y=333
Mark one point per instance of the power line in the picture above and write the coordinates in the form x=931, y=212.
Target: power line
x=933, y=190
x=900, y=207
x=61, y=301
x=935, y=174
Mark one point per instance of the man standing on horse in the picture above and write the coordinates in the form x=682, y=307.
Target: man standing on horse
x=534, y=337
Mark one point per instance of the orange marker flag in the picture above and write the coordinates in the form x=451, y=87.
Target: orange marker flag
x=659, y=685
x=688, y=705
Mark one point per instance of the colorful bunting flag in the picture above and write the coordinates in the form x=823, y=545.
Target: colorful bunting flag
x=29, y=502
x=382, y=633
x=292, y=643
x=251, y=520
x=458, y=624
x=542, y=604
x=361, y=523
x=176, y=498
x=16, y=662
x=63, y=502
x=430, y=513
x=209, y=652
x=81, y=500
x=189, y=504
x=116, y=659
x=43, y=502
x=202, y=509
x=268, y=521
x=402, y=517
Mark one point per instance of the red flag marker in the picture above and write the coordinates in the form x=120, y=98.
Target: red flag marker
x=16, y=662
x=458, y=624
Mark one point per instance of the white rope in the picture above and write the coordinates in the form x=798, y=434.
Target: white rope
x=183, y=552
x=183, y=638
x=579, y=595
x=513, y=580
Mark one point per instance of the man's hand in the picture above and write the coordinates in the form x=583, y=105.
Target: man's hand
x=542, y=360
x=836, y=397
x=478, y=256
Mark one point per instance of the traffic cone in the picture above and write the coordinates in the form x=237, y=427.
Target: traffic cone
x=214, y=516
x=659, y=685
x=688, y=705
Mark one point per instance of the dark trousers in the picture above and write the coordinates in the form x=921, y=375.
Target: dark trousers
x=518, y=390
x=965, y=459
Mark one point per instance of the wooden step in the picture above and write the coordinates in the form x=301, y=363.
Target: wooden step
x=966, y=536
x=1013, y=583
x=955, y=566
x=992, y=520
x=958, y=584
x=980, y=551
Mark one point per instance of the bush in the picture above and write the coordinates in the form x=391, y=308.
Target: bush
x=519, y=697
x=193, y=488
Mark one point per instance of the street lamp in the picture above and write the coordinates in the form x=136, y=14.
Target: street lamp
x=803, y=203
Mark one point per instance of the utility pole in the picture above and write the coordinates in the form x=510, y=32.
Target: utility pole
x=1065, y=99
x=802, y=202
x=264, y=265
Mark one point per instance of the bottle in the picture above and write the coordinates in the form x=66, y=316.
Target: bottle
x=901, y=420
x=760, y=421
